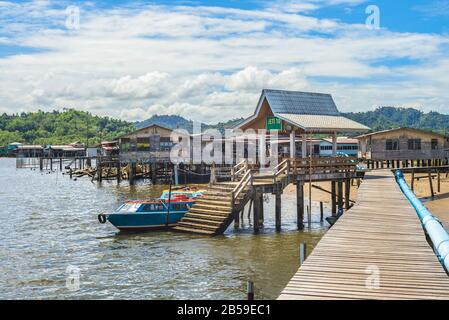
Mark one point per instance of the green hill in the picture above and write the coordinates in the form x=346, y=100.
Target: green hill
x=390, y=117
x=69, y=125
x=59, y=127
x=174, y=122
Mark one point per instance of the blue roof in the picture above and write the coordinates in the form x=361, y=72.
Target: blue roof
x=296, y=102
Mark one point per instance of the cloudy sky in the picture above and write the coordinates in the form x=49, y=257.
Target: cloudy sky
x=209, y=60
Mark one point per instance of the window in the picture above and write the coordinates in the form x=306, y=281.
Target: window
x=392, y=144
x=152, y=207
x=414, y=144
x=434, y=144
x=129, y=207
x=179, y=206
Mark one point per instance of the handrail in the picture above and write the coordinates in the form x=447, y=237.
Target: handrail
x=242, y=164
x=281, y=164
x=247, y=178
x=436, y=232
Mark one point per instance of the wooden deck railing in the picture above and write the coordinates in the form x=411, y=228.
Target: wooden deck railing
x=244, y=182
x=322, y=165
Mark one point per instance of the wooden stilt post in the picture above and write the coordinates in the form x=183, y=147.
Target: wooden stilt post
x=321, y=211
x=132, y=172
x=334, y=198
x=302, y=253
x=119, y=172
x=413, y=179
x=300, y=205
x=41, y=164
x=60, y=164
x=278, y=211
x=439, y=181
x=340, y=195
x=431, y=185
x=250, y=290
x=250, y=208
x=347, y=191
x=257, y=203
x=236, y=220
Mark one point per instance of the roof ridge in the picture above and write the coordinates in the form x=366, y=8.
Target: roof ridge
x=296, y=91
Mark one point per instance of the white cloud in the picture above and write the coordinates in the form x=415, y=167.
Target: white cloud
x=209, y=63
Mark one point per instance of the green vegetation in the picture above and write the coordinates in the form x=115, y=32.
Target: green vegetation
x=59, y=127
x=69, y=125
x=390, y=117
x=174, y=122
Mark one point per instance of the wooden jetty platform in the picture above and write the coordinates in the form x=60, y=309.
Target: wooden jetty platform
x=223, y=202
x=376, y=250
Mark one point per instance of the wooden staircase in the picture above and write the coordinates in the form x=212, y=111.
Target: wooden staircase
x=215, y=210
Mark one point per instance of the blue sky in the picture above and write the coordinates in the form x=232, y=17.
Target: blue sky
x=209, y=60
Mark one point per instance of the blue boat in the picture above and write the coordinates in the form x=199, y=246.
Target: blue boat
x=148, y=215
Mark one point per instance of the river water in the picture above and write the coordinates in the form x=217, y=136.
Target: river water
x=50, y=235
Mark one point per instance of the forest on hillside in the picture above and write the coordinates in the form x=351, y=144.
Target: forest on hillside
x=391, y=117
x=69, y=125
x=59, y=127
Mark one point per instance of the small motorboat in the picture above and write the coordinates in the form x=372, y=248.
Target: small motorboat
x=144, y=215
x=190, y=192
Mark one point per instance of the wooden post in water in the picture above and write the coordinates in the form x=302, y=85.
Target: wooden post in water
x=257, y=205
x=302, y=253
x=236, y=219
x=132, y=172
x=439, y=181
x=260, y=213
x=413, y=179
x=278, y=211
x=340, y=195
x=60, y=164
x=119, y=172
x=41, y=164
x=250, y=290
x=99, y=169
x=347, y=191
x=300, y=205
x=431, y=185
x=321, y=211
x=334, y=198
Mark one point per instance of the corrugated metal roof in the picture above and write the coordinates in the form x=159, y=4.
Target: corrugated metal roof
x=296, y=102
x=399, y=129
x=322, y=122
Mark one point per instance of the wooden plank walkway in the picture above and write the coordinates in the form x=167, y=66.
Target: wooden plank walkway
x=382, y=232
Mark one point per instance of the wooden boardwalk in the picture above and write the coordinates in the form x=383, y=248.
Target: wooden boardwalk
x=381, y=235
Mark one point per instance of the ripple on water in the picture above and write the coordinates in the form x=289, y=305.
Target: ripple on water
x=50, y=223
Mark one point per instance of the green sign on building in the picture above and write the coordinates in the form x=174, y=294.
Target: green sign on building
x=274, y=123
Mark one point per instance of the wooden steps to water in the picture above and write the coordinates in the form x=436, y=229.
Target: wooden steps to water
x=213, y=212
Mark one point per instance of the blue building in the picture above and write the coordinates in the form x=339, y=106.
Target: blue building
x=345, y=145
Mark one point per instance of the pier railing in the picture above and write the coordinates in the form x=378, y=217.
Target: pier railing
x=246, y=180
x=304, y=166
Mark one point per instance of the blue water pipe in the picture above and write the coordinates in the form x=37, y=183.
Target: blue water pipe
x=433, y=227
